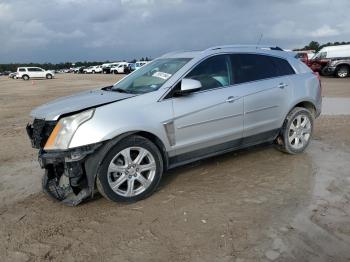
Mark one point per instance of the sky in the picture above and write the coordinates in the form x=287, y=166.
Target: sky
x=98, y=30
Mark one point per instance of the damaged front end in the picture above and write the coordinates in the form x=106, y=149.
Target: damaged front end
x=65, y=176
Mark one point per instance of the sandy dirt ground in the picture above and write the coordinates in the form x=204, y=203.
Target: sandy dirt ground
x=251, y=205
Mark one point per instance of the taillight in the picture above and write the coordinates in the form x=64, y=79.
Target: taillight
x=319, y=80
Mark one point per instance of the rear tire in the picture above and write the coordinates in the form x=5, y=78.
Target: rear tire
x=25, y=77
x=296, y=132
x=342, y=71
x=130, y=171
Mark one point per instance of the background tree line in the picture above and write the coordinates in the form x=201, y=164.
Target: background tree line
x=314, y=45
x=50, y=66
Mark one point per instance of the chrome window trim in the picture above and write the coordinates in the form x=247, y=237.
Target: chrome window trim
x=163, y=97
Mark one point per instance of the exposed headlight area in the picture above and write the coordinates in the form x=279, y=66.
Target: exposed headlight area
x=65, y=178
x=65, y=129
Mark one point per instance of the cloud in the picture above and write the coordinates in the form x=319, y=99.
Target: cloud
x=325, y=31
x=73, y=30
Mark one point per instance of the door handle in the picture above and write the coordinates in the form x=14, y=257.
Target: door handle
x=231, y=99
x=282, y=85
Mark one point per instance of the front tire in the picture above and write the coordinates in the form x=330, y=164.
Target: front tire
x=296, y=132
x=48, y=76
x=131, y=170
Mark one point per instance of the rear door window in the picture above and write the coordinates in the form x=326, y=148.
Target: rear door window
x=34, y=69
x=252, y=67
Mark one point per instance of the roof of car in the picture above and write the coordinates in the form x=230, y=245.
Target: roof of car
x=274, y=50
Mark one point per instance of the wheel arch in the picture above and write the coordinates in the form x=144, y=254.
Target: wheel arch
x=308, y=104
x=342, y=64
x=305, y=103
x=94, y=161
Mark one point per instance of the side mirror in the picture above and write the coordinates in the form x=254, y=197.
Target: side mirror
x=188, y=86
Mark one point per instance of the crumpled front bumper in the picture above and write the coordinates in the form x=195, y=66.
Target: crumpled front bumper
x=330, y=69
x=65, y=177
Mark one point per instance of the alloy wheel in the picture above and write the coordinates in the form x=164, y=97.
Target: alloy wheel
x=343, y=72
x=131, y=171
x=299, y=131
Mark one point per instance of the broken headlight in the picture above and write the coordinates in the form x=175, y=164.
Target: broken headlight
x=65, y=129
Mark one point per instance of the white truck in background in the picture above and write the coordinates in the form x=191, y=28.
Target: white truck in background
x=332, y=52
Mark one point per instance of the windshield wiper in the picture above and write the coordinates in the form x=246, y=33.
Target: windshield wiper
x=119, y=90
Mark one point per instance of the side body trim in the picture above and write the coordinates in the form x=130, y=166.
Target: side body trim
x=233, y=145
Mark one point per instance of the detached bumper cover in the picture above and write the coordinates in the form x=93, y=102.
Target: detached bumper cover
x=65, y=176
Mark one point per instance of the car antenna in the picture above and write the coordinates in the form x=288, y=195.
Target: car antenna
x=259, y=40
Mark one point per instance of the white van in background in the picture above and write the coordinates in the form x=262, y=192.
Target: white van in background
x=33, y=72
x=332, y=52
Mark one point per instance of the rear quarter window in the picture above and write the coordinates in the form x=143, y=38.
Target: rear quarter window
x=283, y=67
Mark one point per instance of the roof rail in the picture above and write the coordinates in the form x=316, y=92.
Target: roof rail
x=174, y=52
x=245, y=46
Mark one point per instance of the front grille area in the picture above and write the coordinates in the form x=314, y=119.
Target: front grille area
x=39, y=131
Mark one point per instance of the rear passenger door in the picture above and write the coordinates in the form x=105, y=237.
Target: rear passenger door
x=41, y=72
x=32, y=72
x=264, y=85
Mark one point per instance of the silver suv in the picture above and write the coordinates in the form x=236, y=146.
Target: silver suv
x=181, y=107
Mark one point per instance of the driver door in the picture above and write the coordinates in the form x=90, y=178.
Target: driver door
x=211, y=117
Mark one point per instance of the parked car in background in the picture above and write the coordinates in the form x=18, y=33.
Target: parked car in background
x=305, y=55
x=302, y=57
x=93, y=69
x=140, y=64
x=119, y=68
x=12, y=75
x=179, y=108
x=131, y=67
x=339, y=67
x=106, y=68
x=81, y=70
x=6, y=73
x=34, y=72
x=320, y=60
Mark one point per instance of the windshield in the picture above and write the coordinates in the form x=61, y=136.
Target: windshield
x=151, y=76
x=320, y=55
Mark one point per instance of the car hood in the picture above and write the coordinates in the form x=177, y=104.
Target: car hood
x=80, y=101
